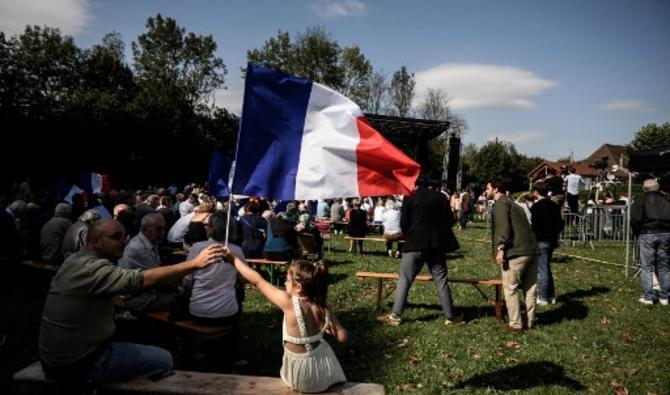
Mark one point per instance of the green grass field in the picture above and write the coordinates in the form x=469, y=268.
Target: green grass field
x=596, y=339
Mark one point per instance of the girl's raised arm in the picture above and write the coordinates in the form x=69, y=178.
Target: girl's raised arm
x=277, y=296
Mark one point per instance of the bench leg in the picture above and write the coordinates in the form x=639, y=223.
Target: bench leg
x=498, y=304
x=379, y=293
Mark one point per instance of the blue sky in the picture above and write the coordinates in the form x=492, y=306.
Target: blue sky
x=553, y=77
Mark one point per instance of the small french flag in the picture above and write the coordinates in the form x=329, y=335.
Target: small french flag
x=301, y=140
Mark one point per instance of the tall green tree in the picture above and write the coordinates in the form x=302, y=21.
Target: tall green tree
x=402, y=91
x=651, y=136
x=499, y=160
x=316, y=56
x=376, y=92
x=174, y=68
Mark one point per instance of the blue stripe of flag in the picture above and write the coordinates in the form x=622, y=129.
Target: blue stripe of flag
x=268, y=144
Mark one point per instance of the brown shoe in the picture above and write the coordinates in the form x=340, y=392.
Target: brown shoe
x=512, y=329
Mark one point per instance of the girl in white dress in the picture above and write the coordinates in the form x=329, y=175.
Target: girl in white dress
x=309, y=364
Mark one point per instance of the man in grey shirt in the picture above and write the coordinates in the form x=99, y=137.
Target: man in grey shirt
x=77, y=323
x=142, y=250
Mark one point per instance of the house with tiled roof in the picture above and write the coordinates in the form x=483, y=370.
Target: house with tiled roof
x=606, y=155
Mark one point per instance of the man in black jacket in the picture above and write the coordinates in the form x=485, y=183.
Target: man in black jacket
x=547, y=225
x=650, y=222
x=426, y=220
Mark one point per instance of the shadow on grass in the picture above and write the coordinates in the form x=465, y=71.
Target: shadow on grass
x=522, y=377
x=571, y=307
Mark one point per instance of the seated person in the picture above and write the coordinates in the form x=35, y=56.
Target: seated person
x=142, y=253
x=216, y=300
x=281, y=239
x=252, y=229
x=75, y=237
x=358, y=225
x=189, y=228
x=391, y=224
x=53, y=233
x=75, y=339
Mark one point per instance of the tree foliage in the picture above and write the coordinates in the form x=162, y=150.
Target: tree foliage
x=316, y=56
x=500, y=161
x=651, y=136
x=88, y=110
x=402, y=91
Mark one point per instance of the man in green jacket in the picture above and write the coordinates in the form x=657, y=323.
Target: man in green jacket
x=515, y=249
x=77, y=324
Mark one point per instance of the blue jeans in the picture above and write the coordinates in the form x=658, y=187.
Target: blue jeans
x=654, y=254
x=120, y=361
x=411, y=265
x=545, y=279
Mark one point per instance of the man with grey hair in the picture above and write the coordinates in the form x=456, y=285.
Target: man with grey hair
x=76, y=345
x=53, y=233
x=75, y=237
x=142, y=250
x=650, y=222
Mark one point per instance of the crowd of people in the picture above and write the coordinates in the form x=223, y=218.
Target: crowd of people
x=113, y=244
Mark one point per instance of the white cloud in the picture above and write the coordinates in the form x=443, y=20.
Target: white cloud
x=483, y=85
x=627, y=106
x=70, y=16
x=339, y=8
x=521, y=138
x=230, y=99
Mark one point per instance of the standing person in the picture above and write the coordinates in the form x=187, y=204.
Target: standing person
x=426, y=220
x=75, y=338
x=309, y=363
x=556, y=191
x=650, y=222
x=455, y=204
x=466, y=208
x=515, y=249
x=547, y=224
x=572, y=184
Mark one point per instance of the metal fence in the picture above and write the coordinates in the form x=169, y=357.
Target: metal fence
x=596, y=224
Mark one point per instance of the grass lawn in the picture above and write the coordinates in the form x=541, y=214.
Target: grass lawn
x=596, y=339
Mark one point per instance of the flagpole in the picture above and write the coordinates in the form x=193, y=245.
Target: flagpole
x=231, y=174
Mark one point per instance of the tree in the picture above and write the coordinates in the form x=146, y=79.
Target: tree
x=402, y=91
x=356, y=70
x=651, y=136
x=435, y=106
x=376, y=93
x=498, y=160
x=174, y=68
x=314, y=55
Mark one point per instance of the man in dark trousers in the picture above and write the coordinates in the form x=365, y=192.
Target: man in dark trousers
x=515, y=249
x=426, y=220
x=547, y=225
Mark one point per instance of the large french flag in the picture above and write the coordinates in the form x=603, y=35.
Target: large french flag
x=301, y=140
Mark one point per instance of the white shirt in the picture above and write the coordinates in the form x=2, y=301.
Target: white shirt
x=573, y=181
x=391, y=222
x=378, y=214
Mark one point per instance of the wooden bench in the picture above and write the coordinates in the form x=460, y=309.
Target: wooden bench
x=494, y=282
x=164, y=316
x=271, y=265
x=32, y=380
x=368, y=238
x=40, y=266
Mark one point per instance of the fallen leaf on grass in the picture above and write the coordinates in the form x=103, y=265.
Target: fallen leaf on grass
x=627, y=371
x=388, y=356
x=414, y=360
x=445, y=355
x=513, y=344
x=618, y=389
x=475, y=356
x=404, y=387
x=604, y=320
x=403, y=342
